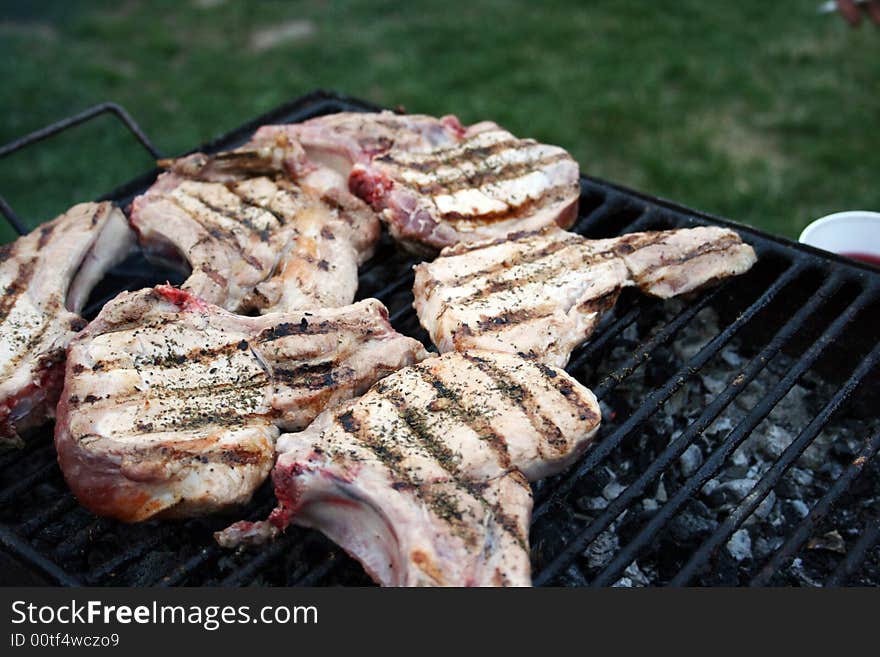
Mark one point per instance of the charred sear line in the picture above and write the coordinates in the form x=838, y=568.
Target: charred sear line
x=471, y=417
x=242, y=220
x=488, y=176
x=536, y=273
x=419, y=425
x=523, y=398
x=172, y=360
x=305, y=327
x=440, y=503
x=220, y=234
x=549, y=196
x=232, y=455
x=567, y=390
x=255, y=204
x=601, y=303
x=529, y=257
x=456, y=155
x=497, y=322
x=16, y=287
x=45, y=235
x=161, y=392
x=718, y=246
x=313, y=376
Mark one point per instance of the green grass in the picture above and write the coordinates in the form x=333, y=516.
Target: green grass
x=763, y=112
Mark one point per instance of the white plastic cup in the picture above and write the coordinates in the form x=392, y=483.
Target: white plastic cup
x=854, y=234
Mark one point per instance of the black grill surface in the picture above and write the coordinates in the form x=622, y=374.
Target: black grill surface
x=801, y=321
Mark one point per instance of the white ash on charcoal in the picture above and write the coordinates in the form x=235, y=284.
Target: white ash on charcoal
x=745, y=551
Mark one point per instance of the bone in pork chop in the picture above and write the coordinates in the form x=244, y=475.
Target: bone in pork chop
x=424, y=479
x=436, y=182
x=45, y=279
x=171, y=406
x=542, y=293
x=262, y=228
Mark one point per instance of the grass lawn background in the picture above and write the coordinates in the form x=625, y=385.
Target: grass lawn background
x=764, y=112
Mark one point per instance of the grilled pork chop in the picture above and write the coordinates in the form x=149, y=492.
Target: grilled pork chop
x=487, y=185
x=45, y=279
x=261, y=227
x=171, y=406
x=436, y=182
x=424, y=479
x=542, y=293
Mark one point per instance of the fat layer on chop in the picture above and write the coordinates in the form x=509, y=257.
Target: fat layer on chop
x=171, y=406
x=45, y=279
x=261, y=227
x=424, y=479
x=542, y=293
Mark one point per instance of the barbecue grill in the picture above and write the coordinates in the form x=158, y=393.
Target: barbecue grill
x=769, y=379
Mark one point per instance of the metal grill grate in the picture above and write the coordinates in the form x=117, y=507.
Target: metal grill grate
x=799, y=316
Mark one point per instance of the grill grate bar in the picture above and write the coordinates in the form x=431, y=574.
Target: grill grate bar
x=650, y=405
x=817, y=513
x=23, y=484
x=33, y=524
x=319, y=572
x=32, y=448
x=646, y=349
x=395, y=287
x=14, y=543
x=677, y=447
x=106, y=569
x=755, y=496
x=854, y=558
x=626, y=556
x=184, y=570
x=606, y=335
x=248, y=572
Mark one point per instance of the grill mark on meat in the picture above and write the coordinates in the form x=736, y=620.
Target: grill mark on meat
x=96, y=214
x=16, y=287
x=163, y=391
x=306, y=327
x=440, y=504
x=46, y=234
x=529, y=257
x=566, y=389
x=180, y=451
x=530, y=205
x=238, y=218
x=718, y=246
x=419, y=425
x=601, y=303
x=452, y=156
x=497, y=322
x=6, y=251
x=314, y=376
x=215, y=276
x=219, y=233
x=537, y=274
x=524, y=399
x=171, y=361
x=251, y=202
x=484, y=176
x=478, y=424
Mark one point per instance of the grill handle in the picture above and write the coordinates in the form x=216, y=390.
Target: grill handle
x=60, y=126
